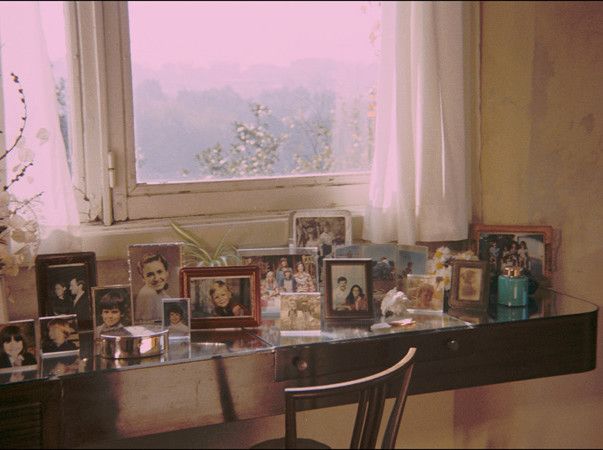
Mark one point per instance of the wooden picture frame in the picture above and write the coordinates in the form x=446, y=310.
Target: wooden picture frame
x=277, y=260
x=469, y=285
x=76, y=273
x=339, y=292
x=222, y=297
x=491, y=243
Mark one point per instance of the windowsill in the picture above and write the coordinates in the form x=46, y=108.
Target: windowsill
x=247, y=230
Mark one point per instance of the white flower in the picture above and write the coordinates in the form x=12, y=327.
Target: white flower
x=9, y=264
x=394, y=302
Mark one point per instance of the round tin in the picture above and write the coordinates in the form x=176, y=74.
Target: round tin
x=136, y=341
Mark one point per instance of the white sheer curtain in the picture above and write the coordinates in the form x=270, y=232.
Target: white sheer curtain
x=23, y=51
x=418, y=187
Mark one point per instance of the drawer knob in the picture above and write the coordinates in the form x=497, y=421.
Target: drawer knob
x=453, y=345
x=300, y=363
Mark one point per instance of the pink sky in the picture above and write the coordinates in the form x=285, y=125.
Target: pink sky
x=249, y=32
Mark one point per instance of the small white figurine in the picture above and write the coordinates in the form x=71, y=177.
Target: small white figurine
x=394, y=303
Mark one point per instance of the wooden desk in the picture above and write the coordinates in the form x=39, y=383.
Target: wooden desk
x=555, y=335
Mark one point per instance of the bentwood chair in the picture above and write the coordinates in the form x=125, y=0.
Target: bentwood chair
x=371, y=390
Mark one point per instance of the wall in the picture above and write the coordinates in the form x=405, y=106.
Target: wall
x=542, y=163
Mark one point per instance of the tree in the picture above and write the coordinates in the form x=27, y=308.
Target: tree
x=254, y=154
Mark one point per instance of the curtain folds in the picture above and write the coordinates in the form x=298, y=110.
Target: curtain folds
x=23, y=51
x=418, y=187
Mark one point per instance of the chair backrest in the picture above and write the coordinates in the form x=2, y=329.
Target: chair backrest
x=372, y=391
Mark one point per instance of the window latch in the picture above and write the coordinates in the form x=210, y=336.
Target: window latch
x=111, y=169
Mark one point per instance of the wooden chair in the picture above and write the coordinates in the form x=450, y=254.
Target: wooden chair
x=372, y=391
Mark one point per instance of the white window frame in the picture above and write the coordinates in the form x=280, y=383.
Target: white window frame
x=102, y=84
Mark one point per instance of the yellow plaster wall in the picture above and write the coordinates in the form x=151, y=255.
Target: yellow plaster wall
x=542, y=163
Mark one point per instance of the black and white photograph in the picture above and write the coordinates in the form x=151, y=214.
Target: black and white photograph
x=154, y=272
x=469, y=285
x=18, y=351
x=177, y=317
x=300, y=313
x=64, y=283
x=59, y=335
x=112, y=308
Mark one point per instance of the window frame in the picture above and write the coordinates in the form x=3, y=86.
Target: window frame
x=105, y=107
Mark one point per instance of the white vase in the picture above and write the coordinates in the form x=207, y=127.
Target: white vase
x=3, y=301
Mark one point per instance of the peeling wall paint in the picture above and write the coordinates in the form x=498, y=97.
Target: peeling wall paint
x=542, y=163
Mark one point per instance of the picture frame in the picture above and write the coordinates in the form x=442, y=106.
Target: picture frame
x=391, y=263
x=75, y=273
x=277, y=260
x=300, y=313
x=424, y=291
x=18, y=342
x=176, y=317
x=59, y=335
x=154, y=275
x=222, y=297
x=469, y=285
x=112, y=308
x=342, y=277
x=321, y=228
x=530, y=246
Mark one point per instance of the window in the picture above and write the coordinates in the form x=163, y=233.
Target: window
x=227, y=107
x=251, y=89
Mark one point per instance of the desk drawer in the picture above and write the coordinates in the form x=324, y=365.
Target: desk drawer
x=315, y=361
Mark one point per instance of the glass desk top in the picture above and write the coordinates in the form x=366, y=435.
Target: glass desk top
x=208, y=344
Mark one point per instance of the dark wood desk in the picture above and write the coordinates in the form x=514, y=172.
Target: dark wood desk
x=555, y=335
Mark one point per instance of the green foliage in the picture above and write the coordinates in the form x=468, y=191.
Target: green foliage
x=254, y=153
x=197, y=253
x=321, y=160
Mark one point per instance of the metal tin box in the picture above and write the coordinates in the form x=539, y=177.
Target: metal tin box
x=137, y=341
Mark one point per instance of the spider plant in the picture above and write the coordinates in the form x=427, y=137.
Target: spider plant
x=197, y=253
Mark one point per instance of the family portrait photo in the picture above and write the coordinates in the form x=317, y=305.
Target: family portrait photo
x=112, y=308
x=322, y=229
x=154, y=272
x=18, y=351
x=59, y=335
x=282, y=271
x=64, y=284
x=528, y=247
x=222, y=296
x=348, y=288
x=300, y=312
